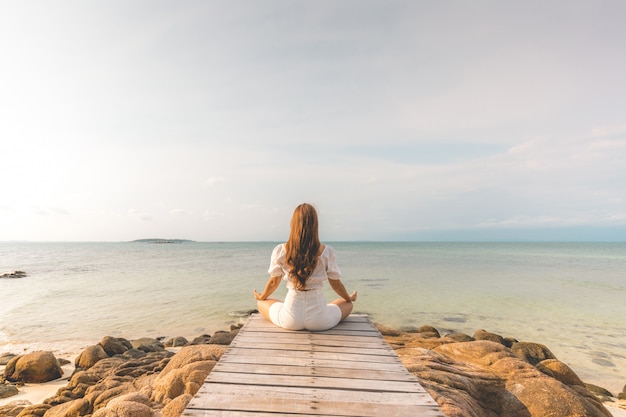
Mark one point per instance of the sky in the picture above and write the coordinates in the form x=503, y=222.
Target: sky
x=399, y=120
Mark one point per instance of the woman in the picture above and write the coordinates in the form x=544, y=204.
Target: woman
x=305, y=264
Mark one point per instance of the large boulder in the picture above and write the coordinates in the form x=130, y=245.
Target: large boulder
x=485, y=379
x=115, y=346
x=185, y=372
x=90, y=356
x=35, y=367
x=532, y=353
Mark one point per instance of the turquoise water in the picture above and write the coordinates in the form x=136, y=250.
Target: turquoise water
x=568, y=296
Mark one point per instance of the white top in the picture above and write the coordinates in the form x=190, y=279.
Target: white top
x=326, y=268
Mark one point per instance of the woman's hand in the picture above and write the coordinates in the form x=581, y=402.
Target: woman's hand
x=353, y=296
x=258, y=296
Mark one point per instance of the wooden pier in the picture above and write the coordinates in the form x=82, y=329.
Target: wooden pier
x=346, y=371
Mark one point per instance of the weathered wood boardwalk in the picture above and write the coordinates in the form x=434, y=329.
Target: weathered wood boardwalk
x=346, y=371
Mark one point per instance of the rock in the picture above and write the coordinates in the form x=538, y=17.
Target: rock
x=6, y=357
x=532, y=353
x=460, y=337
x=35, y=367
x=175, y=342
x=129, y=405
x=75, y=408
x=90, y=356
x=428, y=331
x=147, y=344
x=485, y=379
x=223, y=338
x=7, y=390
x=201, y=340
x=485, y=335
x=37, y=410
x=622, y=395
x=560, y=371
x=13, y=408
x=176, y=407
x=599, y=391
x=114, y=346
x=387, y=331
x=185, y=372
x=13, y=274
x=508, y=341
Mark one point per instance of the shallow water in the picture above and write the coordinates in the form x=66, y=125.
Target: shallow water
x=568, y=296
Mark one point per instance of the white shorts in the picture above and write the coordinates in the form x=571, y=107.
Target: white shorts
x=305, y=310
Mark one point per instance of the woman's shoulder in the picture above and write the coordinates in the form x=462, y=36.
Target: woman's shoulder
x=279, y=250
x=326, y=250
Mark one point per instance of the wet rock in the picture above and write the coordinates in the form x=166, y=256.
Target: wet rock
x=115, y=346
x=176, y=342
x=599, y=391
x=147, y=344
x=13, y=274
x=428, y=331
x=485, y=335
x=460, y=337
x=201, y=340
x=387, y=331
x=532, y=353
x=35, y=367
x=223, y=338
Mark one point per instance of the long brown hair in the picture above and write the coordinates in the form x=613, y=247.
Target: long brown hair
x=303, y=245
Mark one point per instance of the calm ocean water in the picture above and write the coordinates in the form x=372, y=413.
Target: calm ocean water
x=568, y=296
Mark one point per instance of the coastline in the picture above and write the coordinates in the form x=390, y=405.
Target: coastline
x=37, y=393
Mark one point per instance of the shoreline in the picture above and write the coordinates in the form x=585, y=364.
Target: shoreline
x=69, y=350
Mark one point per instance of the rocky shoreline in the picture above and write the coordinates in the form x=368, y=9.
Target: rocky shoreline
x=483, y=375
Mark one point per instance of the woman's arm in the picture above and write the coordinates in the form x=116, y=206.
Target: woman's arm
x=341, y=291
x=272, y=284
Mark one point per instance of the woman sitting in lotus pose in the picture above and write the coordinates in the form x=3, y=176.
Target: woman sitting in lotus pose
x=305, y=264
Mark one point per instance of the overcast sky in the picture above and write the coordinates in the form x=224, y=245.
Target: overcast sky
x=399, y=120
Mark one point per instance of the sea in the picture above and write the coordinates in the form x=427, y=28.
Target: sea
x=570, y=297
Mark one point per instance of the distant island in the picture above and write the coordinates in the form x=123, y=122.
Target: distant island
x=163, y=240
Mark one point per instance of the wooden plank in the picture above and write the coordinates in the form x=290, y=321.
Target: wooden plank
x=332, y=372
x=304, y=361
x=348, y=371
x=326, y=394
x=353, y=326
x=315, y=402
x=336, y=340
x=315, y=348
x=313, y=381
x=299, y=406
x=236, y=351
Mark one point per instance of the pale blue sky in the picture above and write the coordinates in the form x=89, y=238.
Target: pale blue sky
x=399, y=120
